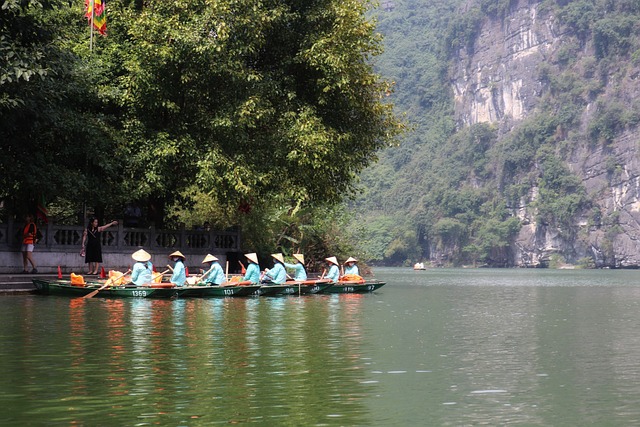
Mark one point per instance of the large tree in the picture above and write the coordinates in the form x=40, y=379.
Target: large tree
x=249, y=100
x=234, y=101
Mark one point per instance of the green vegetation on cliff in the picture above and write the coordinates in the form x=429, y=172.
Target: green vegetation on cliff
x=451, y=192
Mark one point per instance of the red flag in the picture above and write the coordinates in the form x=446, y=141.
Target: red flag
x=96, y=9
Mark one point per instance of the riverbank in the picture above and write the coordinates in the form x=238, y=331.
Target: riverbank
x=17, y=284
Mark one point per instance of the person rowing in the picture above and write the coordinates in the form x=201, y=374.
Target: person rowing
x=334, y=269
x=277, y=275
x=142, y=269
x=300, y=274
x=214, y=274
x=252, y=273
x=350, y=267
x=179, y=275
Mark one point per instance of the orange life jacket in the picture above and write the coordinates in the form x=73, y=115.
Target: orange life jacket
x=28, y=237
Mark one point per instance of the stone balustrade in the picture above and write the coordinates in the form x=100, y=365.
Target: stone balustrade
x=60, y=246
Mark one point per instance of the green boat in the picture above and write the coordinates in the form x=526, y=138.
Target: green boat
x=354, y=287
x=64, y=287
x=272, y=290
x=217, y=291
x=310, y=286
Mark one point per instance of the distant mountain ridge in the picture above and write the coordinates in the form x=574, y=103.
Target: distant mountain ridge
x=524, y=149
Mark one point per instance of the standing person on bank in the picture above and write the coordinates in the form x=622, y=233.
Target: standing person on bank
x=179, y=272
x=92, y=245
x=334, y=269
x=142, y=270
x=28, y=240
x=253, y=269
x=300, y=274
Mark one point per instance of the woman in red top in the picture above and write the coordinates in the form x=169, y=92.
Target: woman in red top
x=28, y=240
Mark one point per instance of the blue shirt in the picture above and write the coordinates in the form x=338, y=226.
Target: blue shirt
x=300, y=273
x=353, y=269
x=141, y=273
x=252, y=274
x=277, y=274
x=333, y=274
x=215, y=276
x=179, y=274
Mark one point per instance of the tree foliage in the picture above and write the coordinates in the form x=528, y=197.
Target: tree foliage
x=229, y=106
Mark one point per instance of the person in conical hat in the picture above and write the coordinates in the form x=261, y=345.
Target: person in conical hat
x=252, y=257
x=142, y=270
x=179, y=275
x=253, y=269
x=334, y=269
x=277, y=275
x=214, y=274
x=350, y=266
x=298, y=267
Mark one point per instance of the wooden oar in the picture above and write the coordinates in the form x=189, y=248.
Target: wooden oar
x=203, y=275
x=242, y=269
x=107, y=283
x=155, y=275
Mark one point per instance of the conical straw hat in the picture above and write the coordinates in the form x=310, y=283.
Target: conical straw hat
x=279, y=257
x=332, y=260
x=299, y=257
x=351, y=259
x=141, y=256
x=209, y=258
x=253, y=257
x=178, y=254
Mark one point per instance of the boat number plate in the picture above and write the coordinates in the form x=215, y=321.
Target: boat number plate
x=139, y=293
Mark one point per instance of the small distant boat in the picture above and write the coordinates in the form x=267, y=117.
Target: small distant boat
x=419, y=266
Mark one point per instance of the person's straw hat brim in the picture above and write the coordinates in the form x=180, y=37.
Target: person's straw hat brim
x=141, y=256
x=253, y=257
x=177, y=254
x=332, y=260
x=209, y=258
x=299, y=257
x=351, y=259
x=278, y=257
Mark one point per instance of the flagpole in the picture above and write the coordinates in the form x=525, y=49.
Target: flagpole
x=93, y=12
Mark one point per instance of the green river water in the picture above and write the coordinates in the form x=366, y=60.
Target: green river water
x=444, y=347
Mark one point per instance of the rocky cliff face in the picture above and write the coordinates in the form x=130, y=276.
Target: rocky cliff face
x=499, y=83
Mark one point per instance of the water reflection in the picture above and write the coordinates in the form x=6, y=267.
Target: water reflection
x=440, y=349
x=287, y=360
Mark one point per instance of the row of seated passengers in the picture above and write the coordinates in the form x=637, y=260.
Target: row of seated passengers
x=142, y=271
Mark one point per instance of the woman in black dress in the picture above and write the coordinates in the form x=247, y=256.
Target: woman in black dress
x=91, y=244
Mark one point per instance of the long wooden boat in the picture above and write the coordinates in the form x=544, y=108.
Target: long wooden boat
x=354, y=287
x=234, y=290
x=313, y=286
x=273, y=290
x=64, y=287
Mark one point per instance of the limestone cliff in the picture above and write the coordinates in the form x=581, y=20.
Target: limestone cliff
x=501, y=81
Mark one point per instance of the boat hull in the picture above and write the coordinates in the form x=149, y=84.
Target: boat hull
x=216, y=291
x=308, y=287
x=53, y=287
x=354, y=287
